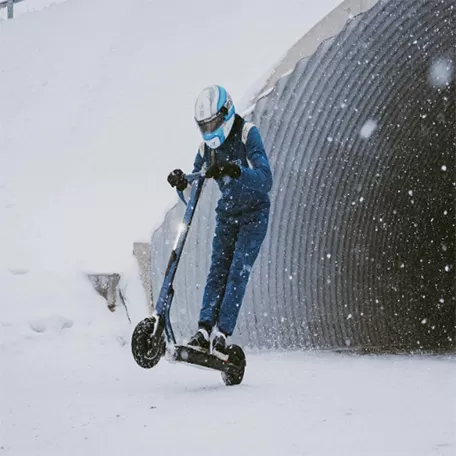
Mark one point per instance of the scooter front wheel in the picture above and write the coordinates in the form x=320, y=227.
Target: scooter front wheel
x=147, y=347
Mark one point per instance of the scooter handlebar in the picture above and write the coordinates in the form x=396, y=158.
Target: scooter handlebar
x=193, y=176
x=190, y=178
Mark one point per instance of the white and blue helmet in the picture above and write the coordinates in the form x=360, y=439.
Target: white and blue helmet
x=214, y=114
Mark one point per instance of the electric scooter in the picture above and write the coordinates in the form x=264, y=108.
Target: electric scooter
x=153, y=337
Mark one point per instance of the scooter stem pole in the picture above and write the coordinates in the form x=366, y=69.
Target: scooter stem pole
x=197, y=185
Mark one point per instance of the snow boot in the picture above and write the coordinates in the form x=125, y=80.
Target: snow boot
x=219, y=346
x=200, y=341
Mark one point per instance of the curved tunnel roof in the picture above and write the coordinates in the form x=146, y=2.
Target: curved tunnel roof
x=361, y=244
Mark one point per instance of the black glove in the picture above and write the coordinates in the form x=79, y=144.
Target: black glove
x=224, y=169
x=177, y=179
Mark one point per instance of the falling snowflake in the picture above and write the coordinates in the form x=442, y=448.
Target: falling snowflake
x=441, y=72
x=368, y=128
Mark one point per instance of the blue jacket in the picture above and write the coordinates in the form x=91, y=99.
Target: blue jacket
x=250, y=191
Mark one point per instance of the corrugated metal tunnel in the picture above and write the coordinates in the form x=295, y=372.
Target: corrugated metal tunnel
x=361, y=244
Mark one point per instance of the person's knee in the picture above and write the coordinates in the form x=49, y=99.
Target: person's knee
x=240, y=273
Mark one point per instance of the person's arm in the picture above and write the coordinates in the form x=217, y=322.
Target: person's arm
x=199, y=160
x=258, y=175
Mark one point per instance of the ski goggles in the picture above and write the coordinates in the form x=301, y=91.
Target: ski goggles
x=210, y=125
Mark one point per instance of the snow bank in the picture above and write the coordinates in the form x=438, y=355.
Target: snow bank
x=97, y=107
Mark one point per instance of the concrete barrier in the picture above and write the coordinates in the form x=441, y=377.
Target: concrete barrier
x=106, y=286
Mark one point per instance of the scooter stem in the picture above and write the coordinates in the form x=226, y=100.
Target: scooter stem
x=163, y=305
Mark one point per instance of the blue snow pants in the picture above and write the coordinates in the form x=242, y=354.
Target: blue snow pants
x=235, y=247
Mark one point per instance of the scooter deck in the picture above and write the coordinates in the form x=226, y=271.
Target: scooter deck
x=185, y=354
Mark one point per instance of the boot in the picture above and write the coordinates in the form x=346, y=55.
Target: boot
x=200, y=341
x=219, y=346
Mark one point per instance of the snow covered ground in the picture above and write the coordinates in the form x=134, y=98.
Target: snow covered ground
x=96, y=107
x=89, y=398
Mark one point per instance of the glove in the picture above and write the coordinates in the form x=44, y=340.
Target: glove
x=177, y=179
x=226, y=169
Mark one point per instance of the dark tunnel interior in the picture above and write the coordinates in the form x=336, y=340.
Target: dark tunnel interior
x=372, y=133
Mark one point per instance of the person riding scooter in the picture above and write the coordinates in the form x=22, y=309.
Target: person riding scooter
x=232, y=153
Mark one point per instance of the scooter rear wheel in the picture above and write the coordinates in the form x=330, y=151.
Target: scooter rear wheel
x=146, y=347
x=236, y=360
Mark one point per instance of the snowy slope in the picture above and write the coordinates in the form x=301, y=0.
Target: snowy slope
x=93, y=121
x=95, y=109
x=98, y=109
